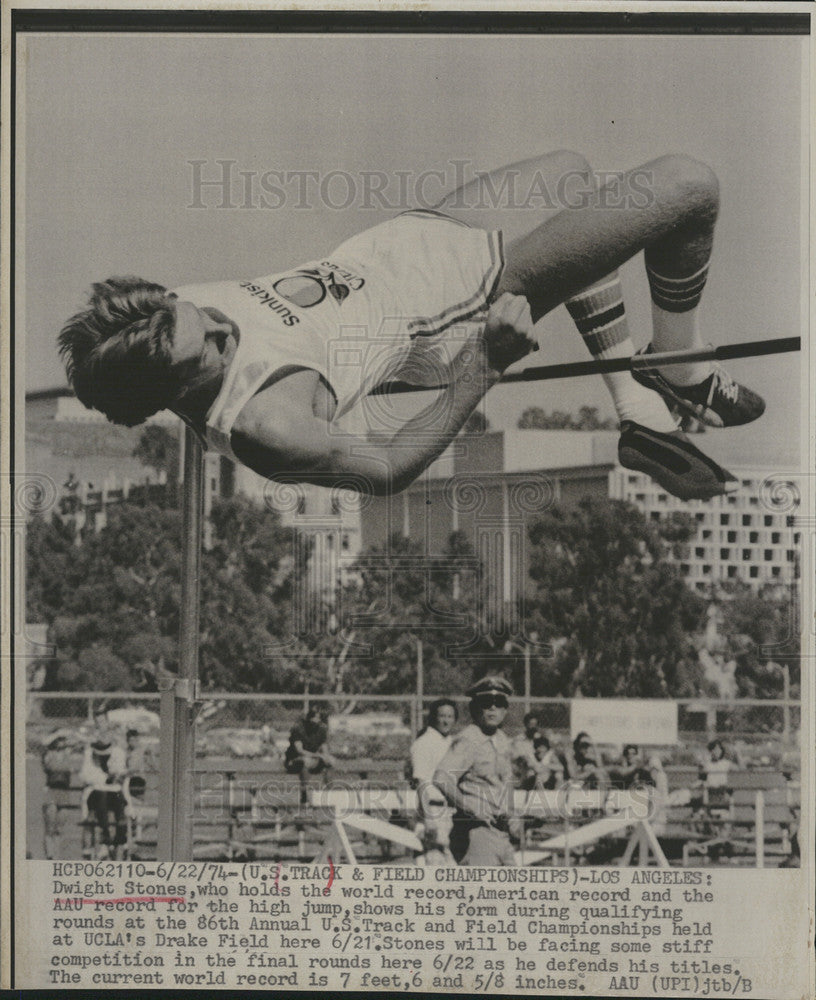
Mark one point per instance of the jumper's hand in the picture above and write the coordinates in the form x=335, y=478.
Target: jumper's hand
x=507, y=335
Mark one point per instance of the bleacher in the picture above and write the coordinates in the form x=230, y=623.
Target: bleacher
x=253, y=809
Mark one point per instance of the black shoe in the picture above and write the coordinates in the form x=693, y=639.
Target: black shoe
x=718, y=400
x=673, y=462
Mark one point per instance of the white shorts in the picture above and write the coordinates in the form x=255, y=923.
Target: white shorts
x=442, y=271
x=428, y=280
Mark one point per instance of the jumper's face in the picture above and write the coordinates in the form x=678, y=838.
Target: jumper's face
x=445, y=718
x=530, y=728
x=489, y=712
x=202, y=337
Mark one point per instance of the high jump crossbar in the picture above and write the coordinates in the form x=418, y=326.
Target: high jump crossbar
x=577, y=369
x=179, y=693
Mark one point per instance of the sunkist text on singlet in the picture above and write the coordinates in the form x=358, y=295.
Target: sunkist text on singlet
x=271, y=301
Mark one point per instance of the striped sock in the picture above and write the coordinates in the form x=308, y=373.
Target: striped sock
x=675, y=321
x=600, y=315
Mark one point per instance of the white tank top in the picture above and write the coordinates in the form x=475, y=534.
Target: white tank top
x=392, y=303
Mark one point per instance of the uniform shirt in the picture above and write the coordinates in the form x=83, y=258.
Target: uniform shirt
x=523, y=749
x=480, y=766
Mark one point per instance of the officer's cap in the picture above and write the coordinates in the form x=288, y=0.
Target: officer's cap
x=490, y=685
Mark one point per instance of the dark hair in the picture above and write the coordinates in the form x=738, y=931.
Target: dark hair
x=582, y=737
x=630, y=746
x=117, y=351
x=531, y=715
x=441, y=703
x=131, y=732
x=716, y=743
x=541, y=741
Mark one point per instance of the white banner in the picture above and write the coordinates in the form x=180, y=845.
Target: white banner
x=625, y=720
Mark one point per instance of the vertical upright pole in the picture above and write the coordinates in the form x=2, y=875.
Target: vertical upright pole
x=786, y=716
x=420, y=687
x=526, y=677
x=177, y=749
x=759, y=827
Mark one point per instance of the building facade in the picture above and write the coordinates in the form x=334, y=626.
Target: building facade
x=748, y=536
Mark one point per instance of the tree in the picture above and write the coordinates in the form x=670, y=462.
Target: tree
x=112, y=601
x=620, y=616
x=158, y=448
x=761, y=632
x=535, y=418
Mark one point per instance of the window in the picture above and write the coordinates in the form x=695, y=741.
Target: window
x=768, y=555
x=700, y=515
x=707, y=534
x=725, y=518
x=746, y=520
x=662, y=498
x=706, y=569
x=776, y=537
x=776, y=570
x=732, y=536
x=768, y=520
x=655, y=515
x=753, y=572
x=301, y=504
x=684, y=568
x=699, y=552
x=790, y=555
x=725, y=553
x=753, y=501
x=746, y=555
x=753, y=537
x=640, y=497
x=345, y=543
x=732, y=572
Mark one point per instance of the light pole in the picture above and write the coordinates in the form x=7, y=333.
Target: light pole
x=526, y=649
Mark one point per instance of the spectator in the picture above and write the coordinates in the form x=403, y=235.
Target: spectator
x=630, y=771
x=475, y=777
x=102, y=771
x=427, y=751
x=548, y=770
x=307, y=752
x=139, y=759
x=585, y=766
x=714, y=771
x=660, y=794
x=523, y=751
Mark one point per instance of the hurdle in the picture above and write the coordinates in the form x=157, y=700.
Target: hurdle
x=180, y=692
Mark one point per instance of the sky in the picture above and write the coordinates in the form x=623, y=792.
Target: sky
x=116, y=126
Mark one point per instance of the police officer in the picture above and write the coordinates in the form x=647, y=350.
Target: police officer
x=476, y=777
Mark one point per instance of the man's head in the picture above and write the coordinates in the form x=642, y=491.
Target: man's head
x=716, y=750
x=532, y=724
x=132, y=738
x=136, y=350
x=442, y=715
x=583, y=749
x=630, y=753
x=316, y=714
x=489, y=702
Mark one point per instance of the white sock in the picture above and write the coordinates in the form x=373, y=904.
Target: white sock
x=677, y=327
x=632, y=400
x=599, y=314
